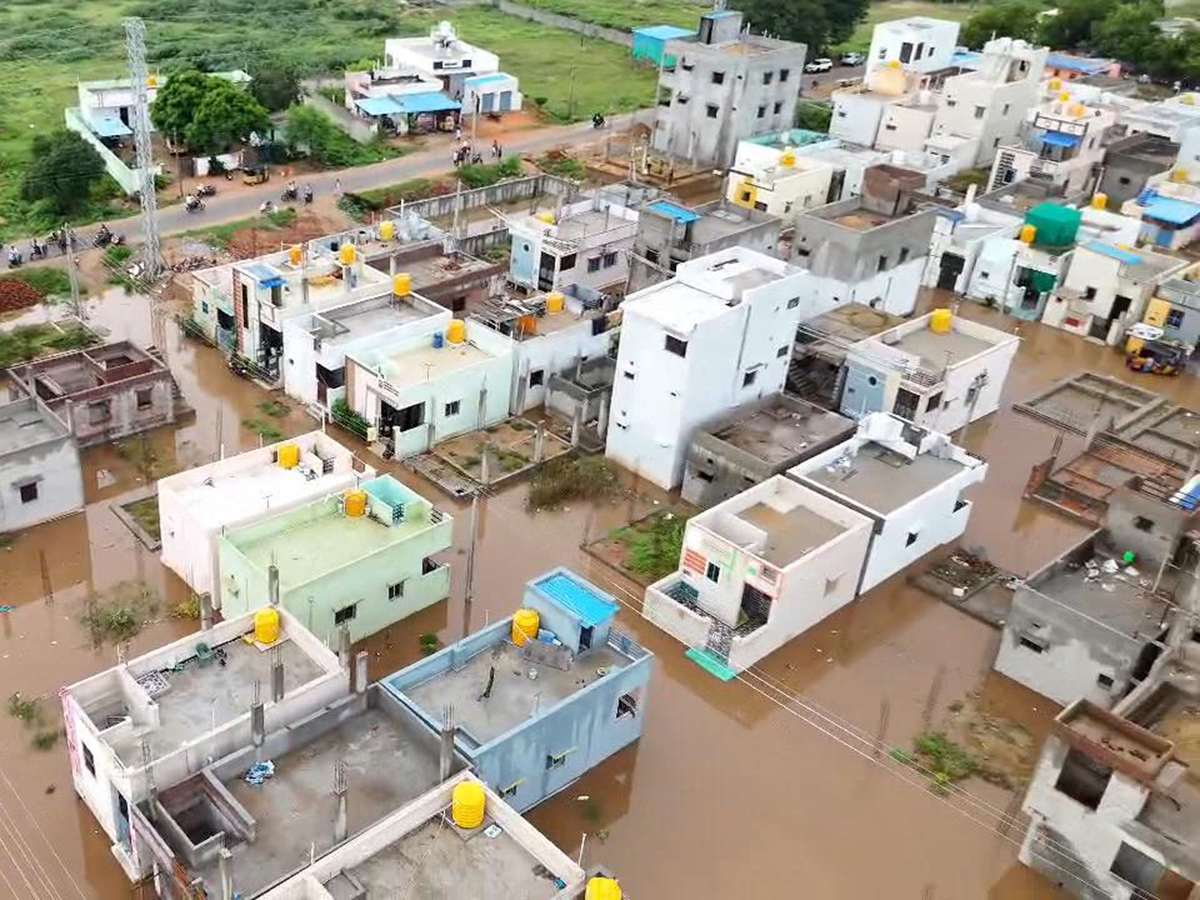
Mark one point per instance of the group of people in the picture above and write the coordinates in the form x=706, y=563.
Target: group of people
x=463, y=154
x=38, y=249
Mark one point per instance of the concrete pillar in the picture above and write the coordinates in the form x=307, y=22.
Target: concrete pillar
x=360, y=676
x=344, y=646
x=575, y=424
x=341, y=820
x=602, y=420
x=277, y=679
x=484, y=474
x=258, y=729
x=206, y=612
x=392, y=265
x=446, y=748
x=539, y=443
x=273, y=585
x=225, y=862
x=481, y=421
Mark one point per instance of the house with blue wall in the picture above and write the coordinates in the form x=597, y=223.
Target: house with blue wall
x=650, y=43
x=533, y=719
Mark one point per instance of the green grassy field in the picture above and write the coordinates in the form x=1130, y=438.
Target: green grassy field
x=626, y=16
x=886, y=10
x=46, y=48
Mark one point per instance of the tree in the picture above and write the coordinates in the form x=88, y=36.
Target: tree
x=813, y=116
x=1127, y=33
x=276, y=85
x=1015, y=19
x=176, y=102
x=62, y=171
x=309, y=127
x=1072, y=25
x=815, y=23
x=225, y=115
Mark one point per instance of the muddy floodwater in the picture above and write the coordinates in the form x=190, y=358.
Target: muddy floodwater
x=729, y=793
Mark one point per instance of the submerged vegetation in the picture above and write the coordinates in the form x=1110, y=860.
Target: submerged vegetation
x=563, y=480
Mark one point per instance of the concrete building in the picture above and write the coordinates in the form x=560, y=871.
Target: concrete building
x=412, y=852
x=869, y=249
x=585, y=244
x=750, y=446
x=938, y=380
x=165, y=716
x=530, y=736
x=713, y=339
x=859, y=110
x=449, y=278
x=40, y=476
x=783, y=188
x=1168, y=223
x=822, y=344
x=196, y=506
x=919, y=44
x=1175, y=308
x=907, y=480
x=1106, y=289
x=427, y=387
x=669, y=233
x=315, y=345
x=727, y=85
x=402, y=101
x=759, y=569
x=849, y=162
x=491, y=95
x=441, y=55
x=332, y=569
x=1130, y=163
x=103, y=393
x=958, y=239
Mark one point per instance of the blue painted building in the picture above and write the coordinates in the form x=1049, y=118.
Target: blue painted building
x=533, y=719
x=650, y=43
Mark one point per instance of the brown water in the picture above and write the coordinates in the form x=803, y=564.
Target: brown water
x=727, y=793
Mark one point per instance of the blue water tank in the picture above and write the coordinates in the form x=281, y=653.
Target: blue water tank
x=439, y=340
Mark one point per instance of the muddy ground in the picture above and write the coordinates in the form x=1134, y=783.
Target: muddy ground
x=727, y=794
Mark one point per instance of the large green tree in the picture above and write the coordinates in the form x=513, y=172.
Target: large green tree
x=209, y=114
x=816, y=23
x=276, y=84
x=1127, y=33
x=1014, y=19
x=1071, y=25
x=62, y=171
x=176, y=102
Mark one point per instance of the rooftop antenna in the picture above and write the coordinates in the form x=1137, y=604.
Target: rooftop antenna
x=135, y=49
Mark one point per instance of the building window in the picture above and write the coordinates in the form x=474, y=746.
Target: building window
x=453, y=407
x=883, y=261
x=345, y=614
x=594, y=264
x=784, y=73
x=145, y=398
x=762, y=111
x=906, y=50
x=610, y=259
x=1124, y=179
x=1141, y=523
x=1089, y=293
x=1031, y=645
x=979, y=111
x=509, y=791
x=675, y=345
x=960, y=504
x=711, y=111
x=831, y=584
x=912, y=538
x=628, y=375
x=768, y=77
x=652, y=256
x=1083, y=779
x=1007, y=106
x=995, y=144
x=749, y=378
x=1105, y=681
x=100, y=411
x=933, y=402
x=536, y=377
x=556, y=760
x=411, y=417
x=951, y=103
x=204, y=307
x=567, y=262
x=903, y=254
x=396, y=591
x=747, y=196
x=712, y=572
x=28, y=492
x=89, y=761
x=1174, y=318
x=793, y=302
x=718, y=77
x=781, y=352
x=627, y=705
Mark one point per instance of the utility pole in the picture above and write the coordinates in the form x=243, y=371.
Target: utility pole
x=135, y=48
x=469, y=590
x=571, y=97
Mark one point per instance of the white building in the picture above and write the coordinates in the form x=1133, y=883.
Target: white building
x=941, y=380
x=490, y=95
x=958, y=238
x=441, y=55
x=433, y=385
x=40, y=475
x=184, y=709
x=858, y=111
x=760, y=569
x=715, y=337
x=778, y=181
x=918, y=43
x=197, y=505
x=908, y=480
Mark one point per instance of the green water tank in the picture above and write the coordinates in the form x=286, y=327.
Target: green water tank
x=1056, y=225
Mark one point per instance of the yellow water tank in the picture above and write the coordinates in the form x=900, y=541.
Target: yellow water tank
x=547, y=217
x=387, y=230
x=1077, y=111
x=1028, y=233
x=787, y=159
x=457, y=332
x=346, y=254
x=296, y=255
x=266, y=625
x=1179, y=175
x=602, y=889
x=555, y=302
x=941, y=321
x=1099, y=200
x=468, y=804
x=1056, y=84
x=289, y=456
x=525, y=625
x=1064, y=97
x=402, y=284
x=356, y=504
x=152, y=81
x=893, y=64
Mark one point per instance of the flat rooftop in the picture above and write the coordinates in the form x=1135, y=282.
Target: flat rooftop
x=201, y=695
x=883, y=480
x=388, y=762
x=591, y=222
x=860, y=219
x=1119, y=742
x=791, y=534
x=515, y=696
x=939, y=350
x=433, y=270
x=344, y=325
x=436, y=862
x=677, y=306
x=783, y=431
x=418, y=364
x=852, y=322
x=23, y=425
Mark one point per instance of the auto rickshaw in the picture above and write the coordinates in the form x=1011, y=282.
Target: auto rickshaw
x=1158, y=357
x=256, y=175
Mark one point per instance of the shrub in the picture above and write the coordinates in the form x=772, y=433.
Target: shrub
x=562, y=480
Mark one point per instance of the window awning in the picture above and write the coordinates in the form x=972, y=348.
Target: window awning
x=1058, y=139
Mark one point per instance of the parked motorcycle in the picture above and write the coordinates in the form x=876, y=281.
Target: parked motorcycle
x=206, y=190
x=597, y=121
x=104, y=237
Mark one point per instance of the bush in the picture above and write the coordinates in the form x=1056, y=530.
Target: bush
x=562, y=480
x=485, y=175
x=343, y=415
x=327, y=144
x=61, y=173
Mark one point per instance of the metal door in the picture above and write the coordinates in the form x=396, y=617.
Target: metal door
x=505, y=101
x=864, y=391
x=486, y=101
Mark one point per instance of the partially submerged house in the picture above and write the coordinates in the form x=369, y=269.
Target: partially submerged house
x=360, y=560
x=759, y=569
x=196, y=506
x=103, y=393
x=532, y=717
x=40, y=475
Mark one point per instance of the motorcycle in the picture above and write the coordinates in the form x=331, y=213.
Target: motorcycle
x=288, y=195
x=597, y=121
x=37, y=250
x=238, y=367
x=308, y=197
x=14, y=259
x=104, y=237
x=194, y=205
x=206, y=190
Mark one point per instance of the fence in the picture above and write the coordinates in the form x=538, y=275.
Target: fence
x=129, y=179
x=495, y=195
x=359, y=129
x=624, y=38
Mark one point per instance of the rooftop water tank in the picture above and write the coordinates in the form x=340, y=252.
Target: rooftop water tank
x=296, y=255
x=468, y=804
x=941, y=321
x=266, y=625
x=346, y=254
x=289, y=456
x=525, y=626
x=457, y=332
x=402, y=284
x=387, y=230
x=356, y=504
x=602, y=889
x=555, y=303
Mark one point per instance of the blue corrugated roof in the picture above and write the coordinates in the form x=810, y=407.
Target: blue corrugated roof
x=484, y=80
x=720, y=14
x=1126, y=256
x=433, y=101
x=1085, y=64
x=1058, y=139
x=678, y=213
x=108, y=126
x=967, y=59
x=1172, y=211
x=267, y=277
x=579, y=597
x=664, y=32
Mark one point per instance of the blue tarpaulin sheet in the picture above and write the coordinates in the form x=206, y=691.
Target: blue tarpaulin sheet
x=266, y=276
x=1126, y=256
x=1172, y=211
x=1058, y=139
x=109, y=127
x=579, y=598
x=433, y=101
x=678, y=213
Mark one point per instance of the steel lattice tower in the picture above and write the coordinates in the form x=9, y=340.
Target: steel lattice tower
x=135, y=48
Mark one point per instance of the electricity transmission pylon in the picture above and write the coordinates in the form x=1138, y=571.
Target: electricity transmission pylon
x=135, y=48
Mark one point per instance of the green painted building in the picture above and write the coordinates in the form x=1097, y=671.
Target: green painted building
x=366, y=571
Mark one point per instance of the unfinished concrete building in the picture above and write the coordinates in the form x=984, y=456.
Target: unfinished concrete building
x=103, y=393
x=752, y=445
x=1129, y=163
x=726, y=85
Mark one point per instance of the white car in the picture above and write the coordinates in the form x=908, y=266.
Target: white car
x=818, y=65
x=853, y=59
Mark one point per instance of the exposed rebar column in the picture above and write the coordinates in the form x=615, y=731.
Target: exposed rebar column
x=360, y=676
x=539, y=443
x=273, y=585
x=576, y=421
x=225, y=858
x=482, y=413
x=484, y=473
x=446, y=750
x=206, y=612
x=341, y=819
x=258, y=723
x=276, y=674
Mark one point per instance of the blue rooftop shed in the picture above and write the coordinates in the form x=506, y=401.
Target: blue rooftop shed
x=651, y=42
x=533, y=719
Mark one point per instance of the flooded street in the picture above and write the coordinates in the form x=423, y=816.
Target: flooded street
x=728, y=792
